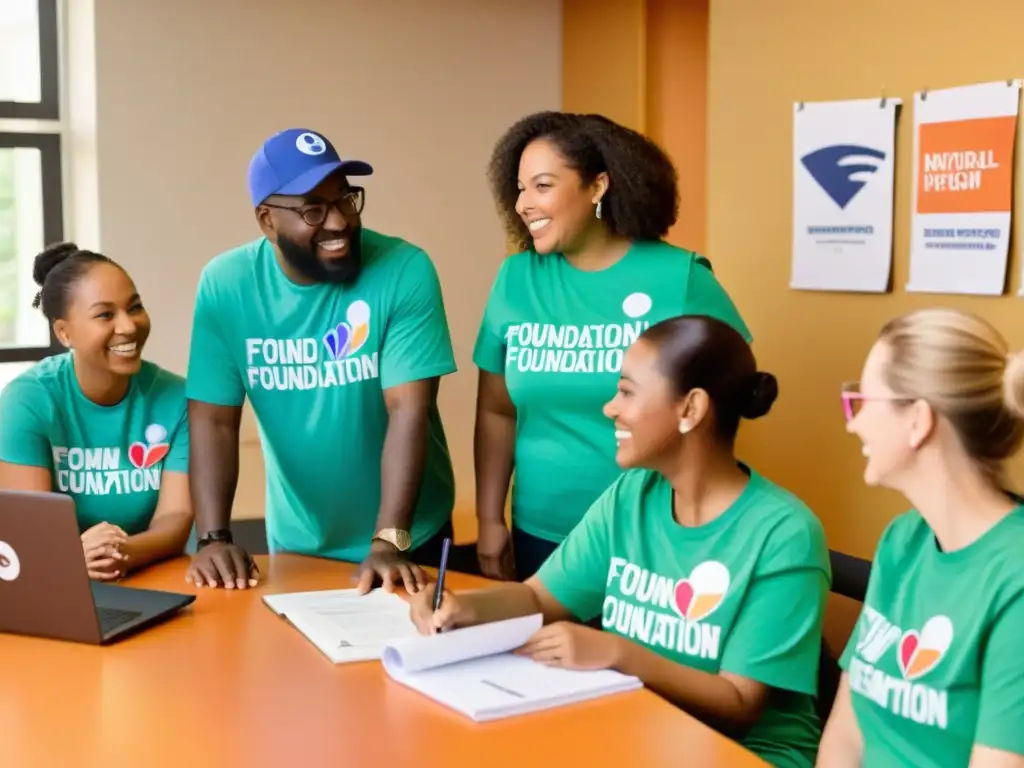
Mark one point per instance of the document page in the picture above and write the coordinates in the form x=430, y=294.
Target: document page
x=493, y=687
x=345, y=625
x=474, y=671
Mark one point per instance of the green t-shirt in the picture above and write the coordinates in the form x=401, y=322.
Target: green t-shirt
x=314, y=361
x=109, y=459
x=744, y=593
x=935, y=663
x=558, y=335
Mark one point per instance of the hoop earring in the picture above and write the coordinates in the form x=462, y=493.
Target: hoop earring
x=597, y=211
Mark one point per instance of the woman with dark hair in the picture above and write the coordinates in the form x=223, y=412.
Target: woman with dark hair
x=98, y=422
x=588, y=202
x=709, y=580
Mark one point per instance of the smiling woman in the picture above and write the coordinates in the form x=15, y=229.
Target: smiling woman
x=589, y=202
x=98, y=422
x=706, y=580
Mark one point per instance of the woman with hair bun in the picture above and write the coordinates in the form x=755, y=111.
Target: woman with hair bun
x=98, y=422
x=933, y=674
x=708, y=579
x=588, y=203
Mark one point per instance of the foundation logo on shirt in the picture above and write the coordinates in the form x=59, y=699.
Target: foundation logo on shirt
x=150, y=453
x=920, y=652
x=538, y=347
x=698, y=596
x=664, y=612
x=335, y=359
x=348, y=336
x=103, y=471
x=912, y=654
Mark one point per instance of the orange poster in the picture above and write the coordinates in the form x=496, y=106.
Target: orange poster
x=966, y=165
x=963, y=188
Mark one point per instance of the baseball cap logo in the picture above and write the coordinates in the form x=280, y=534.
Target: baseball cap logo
x=310, y=144
x=10, y=566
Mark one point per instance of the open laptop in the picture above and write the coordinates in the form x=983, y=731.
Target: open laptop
x=45, y=589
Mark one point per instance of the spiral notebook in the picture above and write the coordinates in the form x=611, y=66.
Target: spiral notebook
x=473, y=671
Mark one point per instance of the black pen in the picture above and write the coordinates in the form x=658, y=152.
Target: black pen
x=439, y=586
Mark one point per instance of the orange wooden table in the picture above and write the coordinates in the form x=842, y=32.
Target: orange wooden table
x=228, y=684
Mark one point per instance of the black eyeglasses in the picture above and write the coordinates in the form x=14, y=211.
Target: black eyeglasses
x=315, y=214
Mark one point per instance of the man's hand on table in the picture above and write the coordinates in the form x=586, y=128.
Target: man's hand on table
x=393, y=569
x=223, y=564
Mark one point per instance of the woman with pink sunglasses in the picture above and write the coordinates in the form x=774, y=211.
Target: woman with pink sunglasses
x=933, y=674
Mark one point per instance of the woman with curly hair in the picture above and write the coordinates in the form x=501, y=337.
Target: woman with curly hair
x=588, y=203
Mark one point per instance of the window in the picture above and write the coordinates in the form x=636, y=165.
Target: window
x=31, y=209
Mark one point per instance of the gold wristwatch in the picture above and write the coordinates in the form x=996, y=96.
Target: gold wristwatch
x=396, y=537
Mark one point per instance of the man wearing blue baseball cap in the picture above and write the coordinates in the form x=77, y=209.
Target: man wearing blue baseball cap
x=338, y=336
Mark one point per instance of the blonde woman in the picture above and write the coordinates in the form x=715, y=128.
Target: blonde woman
x=933, y=674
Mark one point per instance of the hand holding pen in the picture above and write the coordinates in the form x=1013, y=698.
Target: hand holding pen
x=436, y=610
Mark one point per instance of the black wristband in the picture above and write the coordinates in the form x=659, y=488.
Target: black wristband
x=220, y=534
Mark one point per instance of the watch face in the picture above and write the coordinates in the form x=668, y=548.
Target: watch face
x=399, y=539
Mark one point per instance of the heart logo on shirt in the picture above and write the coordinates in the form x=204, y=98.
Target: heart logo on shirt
x=144, y=455
x=920, y=652
x=699, y=595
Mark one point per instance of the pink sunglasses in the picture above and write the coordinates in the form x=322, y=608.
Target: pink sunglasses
x=854, y=399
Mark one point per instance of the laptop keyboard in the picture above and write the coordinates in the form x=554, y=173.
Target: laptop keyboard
x=112, y=618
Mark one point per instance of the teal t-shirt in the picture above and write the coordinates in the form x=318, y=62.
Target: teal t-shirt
x=935, y=663
x=314, y=361
x=744, y=593
x=558, y=335
x=109, y=459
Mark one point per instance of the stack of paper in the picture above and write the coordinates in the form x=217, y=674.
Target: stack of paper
x=343, y=624
x=472, y=671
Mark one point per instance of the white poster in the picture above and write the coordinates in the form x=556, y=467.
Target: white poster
x=963, y=188
x=842, y=194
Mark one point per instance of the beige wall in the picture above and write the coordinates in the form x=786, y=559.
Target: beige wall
x=185, y=91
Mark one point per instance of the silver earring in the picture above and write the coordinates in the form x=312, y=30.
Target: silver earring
x=597, y=211
x=684, y=427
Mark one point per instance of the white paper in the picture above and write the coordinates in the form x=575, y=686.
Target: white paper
x=962, y=191
x=843, y=161
x=472, y=671
x=428, y=651
x=345, y=625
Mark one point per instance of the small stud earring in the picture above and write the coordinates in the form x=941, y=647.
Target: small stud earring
x=597, y=211
x=684, y=427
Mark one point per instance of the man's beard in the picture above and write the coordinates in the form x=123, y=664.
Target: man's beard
x=305, y=261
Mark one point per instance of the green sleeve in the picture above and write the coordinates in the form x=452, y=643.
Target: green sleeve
x=489, y=350
x=706, y=296
x=1001, y=705
x=177, y=456
x=417, y=343
x=26, y=412
x=213, y=375
x=576, y=572
x=776, y=638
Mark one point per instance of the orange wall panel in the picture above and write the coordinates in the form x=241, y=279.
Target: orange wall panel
x=604, y=59
x=761, y=61
x=718, y=84
x=677, y=106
